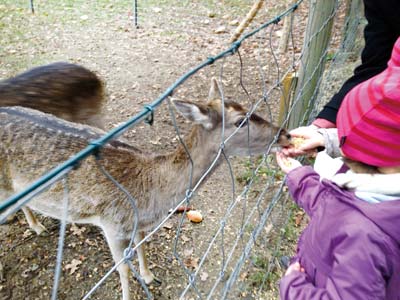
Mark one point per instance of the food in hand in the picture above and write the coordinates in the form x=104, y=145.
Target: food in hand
x=297, y=142
x=287, y=163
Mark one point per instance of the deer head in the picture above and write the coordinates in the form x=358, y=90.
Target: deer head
x=244, y=134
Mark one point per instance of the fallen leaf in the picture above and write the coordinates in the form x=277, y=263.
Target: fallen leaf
x=27, y=233
x=73, y=266
x=185, y=238
x=168, y=225
x=203, y=276
x=221, y=29
x=268, y=228
x=77, y=230
x=299, y=218
x=191, y=263
x=188, y=252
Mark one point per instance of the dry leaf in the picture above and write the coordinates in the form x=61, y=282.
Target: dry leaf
x=203, y=276
x=27, y=233
x=73, y=266
x=185, y=238
x=77, y=230
x=299, y=218
x=188, y=252
x=268, y=228
x=191, y=263
x=221, y=29
x=168, y=225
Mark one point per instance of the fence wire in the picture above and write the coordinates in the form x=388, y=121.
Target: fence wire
x=248, y=227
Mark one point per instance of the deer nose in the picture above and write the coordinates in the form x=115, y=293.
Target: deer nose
x=284, y=138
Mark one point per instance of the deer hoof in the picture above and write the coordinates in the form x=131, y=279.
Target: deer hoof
x=38, y=228
x=156, y=282
x=150, y=279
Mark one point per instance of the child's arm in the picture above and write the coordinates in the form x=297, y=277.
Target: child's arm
x=356, y=274
x=303, y=183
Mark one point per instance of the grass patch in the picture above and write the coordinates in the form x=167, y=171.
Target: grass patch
x=259, y=169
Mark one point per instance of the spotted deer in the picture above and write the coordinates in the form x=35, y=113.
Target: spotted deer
x=32, y=143
x=66, y=90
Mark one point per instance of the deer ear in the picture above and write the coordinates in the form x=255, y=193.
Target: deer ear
x=193, y=112
x=214, y=93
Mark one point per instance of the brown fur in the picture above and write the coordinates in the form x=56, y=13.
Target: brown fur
x=31, y=143
x=66, y=90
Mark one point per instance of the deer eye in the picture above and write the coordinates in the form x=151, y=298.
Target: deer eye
x=242, y=121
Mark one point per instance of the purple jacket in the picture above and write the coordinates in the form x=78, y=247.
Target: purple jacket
x=350, y=249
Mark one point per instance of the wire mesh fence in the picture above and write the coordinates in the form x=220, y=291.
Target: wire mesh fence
x=249, y=222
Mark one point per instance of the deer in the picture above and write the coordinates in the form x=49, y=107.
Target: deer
x=32, y=142
x=66, y=90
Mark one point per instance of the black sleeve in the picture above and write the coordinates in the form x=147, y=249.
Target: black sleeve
x=380, y=35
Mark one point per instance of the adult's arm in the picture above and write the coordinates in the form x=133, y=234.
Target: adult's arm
x=380, y=34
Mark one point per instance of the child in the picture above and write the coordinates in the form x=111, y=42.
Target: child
x=350, y=249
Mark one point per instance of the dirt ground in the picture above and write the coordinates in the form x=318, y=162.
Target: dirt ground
x=137, y=65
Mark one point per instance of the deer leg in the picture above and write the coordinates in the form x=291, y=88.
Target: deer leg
x=145, y=272
x=6, y=186
x=117, y=247
x=33, y=222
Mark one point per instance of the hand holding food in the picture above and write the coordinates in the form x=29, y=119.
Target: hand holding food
x=304, y=141
x=286, y=163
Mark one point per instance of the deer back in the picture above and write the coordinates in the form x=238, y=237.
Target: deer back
x=32, y=143
x=66, y=90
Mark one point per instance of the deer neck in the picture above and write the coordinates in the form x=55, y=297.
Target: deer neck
x=164, y=179
x=202, y=150
x=177, y=167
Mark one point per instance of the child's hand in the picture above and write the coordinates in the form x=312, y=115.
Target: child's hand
x=312, y=139
x=286, y=163
x=294, y=267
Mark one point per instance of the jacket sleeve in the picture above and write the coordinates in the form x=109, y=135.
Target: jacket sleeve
x=305, y=188
x=331, y=141
x=355, y=274
x=380, y=34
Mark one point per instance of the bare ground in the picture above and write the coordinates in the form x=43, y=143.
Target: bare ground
x=137, y=65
